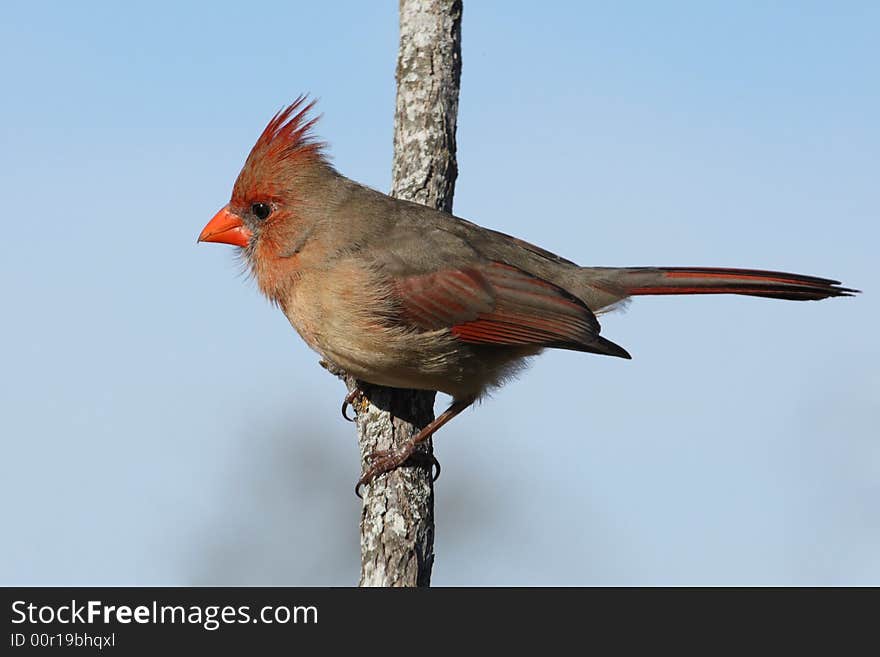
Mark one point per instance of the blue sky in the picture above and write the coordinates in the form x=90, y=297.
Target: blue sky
x=162, y=424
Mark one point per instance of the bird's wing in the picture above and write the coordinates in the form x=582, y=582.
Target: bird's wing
x=444, y=273
x=494, y=303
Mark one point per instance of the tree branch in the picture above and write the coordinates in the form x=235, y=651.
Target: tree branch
x=397, y=521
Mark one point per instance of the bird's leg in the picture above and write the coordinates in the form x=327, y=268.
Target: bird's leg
x=384, y=461
x=350, y=399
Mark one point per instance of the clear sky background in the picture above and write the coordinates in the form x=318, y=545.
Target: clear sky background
x=163, y=424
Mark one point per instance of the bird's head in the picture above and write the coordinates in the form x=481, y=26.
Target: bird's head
x=265, y=216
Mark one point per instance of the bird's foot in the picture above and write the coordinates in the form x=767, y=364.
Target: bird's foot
x=386, y=460
x=416, y=457
x=351, y=399
x=380, y=462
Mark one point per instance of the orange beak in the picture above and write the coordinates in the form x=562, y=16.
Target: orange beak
x=226, y=228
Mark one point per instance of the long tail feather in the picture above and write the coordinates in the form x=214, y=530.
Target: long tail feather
x=711, y=280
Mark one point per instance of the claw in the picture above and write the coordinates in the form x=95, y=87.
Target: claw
x=349, y=400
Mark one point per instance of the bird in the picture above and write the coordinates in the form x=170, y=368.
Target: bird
x=398, y=294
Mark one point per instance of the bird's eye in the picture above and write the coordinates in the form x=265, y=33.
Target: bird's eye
x=261, y=210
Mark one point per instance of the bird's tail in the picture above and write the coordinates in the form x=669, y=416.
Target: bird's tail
x=619, y=283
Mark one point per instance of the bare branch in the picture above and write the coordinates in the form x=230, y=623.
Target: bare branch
x=397, y=522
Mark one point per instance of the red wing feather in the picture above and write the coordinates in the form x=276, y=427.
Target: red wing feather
x=497, y=304
x=445, y=298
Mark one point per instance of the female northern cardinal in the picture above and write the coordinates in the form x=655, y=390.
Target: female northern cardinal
x=398, y=294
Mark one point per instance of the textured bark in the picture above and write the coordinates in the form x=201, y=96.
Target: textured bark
x=397, y=522
x=428, y=75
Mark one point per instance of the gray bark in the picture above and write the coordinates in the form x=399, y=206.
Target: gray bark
x=397, y=521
